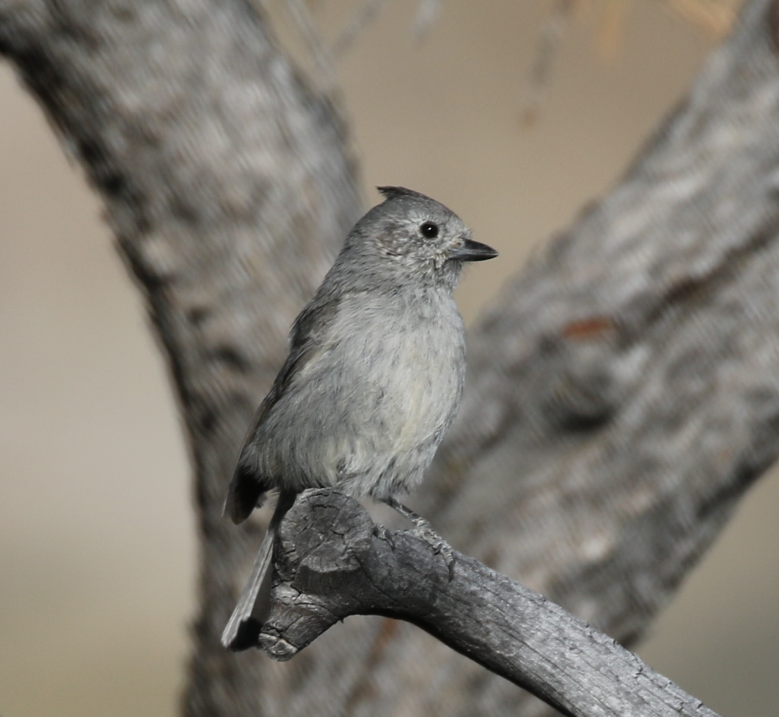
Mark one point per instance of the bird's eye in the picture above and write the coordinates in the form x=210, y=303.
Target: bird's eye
x=429, y=230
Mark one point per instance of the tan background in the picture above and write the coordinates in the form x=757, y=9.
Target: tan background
x=96, y=544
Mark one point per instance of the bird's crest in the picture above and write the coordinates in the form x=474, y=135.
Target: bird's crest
x=393, y=192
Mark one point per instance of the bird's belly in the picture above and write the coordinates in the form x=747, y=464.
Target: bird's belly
x=414, y=399
x=424, y=399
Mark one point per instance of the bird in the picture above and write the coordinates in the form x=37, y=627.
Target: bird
x=372, y=381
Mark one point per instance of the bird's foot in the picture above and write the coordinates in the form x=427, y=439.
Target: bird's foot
x=383, y=534
x=424, y=531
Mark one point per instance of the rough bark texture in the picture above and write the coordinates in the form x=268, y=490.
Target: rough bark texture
x=623, y=391
x=228, y=184
x=333, y=562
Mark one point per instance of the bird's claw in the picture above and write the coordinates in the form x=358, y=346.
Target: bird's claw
x=424, y=531
x=383, y=534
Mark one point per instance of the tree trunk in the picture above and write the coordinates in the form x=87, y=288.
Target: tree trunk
x=622, y=391
x=228, y=183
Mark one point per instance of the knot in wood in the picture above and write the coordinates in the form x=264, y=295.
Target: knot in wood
x=324, y=535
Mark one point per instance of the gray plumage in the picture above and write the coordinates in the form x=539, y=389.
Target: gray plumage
x=372, y=382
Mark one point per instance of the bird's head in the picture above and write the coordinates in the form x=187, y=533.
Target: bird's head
x=415, y=236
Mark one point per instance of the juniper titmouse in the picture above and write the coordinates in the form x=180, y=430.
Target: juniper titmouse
x=372, y=382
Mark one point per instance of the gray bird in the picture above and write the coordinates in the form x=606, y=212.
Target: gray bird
x=372, y=382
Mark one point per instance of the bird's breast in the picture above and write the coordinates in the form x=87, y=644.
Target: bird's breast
x=416, y=372
x=371, y=406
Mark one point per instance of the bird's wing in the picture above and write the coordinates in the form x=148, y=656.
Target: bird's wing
x=248, y=488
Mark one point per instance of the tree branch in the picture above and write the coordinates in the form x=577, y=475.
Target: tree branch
x=332, y=563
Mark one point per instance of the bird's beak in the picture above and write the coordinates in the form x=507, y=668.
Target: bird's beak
x=471, y=250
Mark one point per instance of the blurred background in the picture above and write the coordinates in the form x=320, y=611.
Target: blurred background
x=97, y=552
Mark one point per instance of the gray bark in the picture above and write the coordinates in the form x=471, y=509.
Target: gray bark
x=228, y=184
x=334, y=562
x=622, y=391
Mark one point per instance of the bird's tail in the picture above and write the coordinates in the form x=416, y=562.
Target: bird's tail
x=243, y=627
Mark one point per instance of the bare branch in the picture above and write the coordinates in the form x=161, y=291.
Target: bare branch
x=333, y=564
x=547, y=51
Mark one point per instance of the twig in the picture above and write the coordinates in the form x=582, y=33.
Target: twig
x=546, y=53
